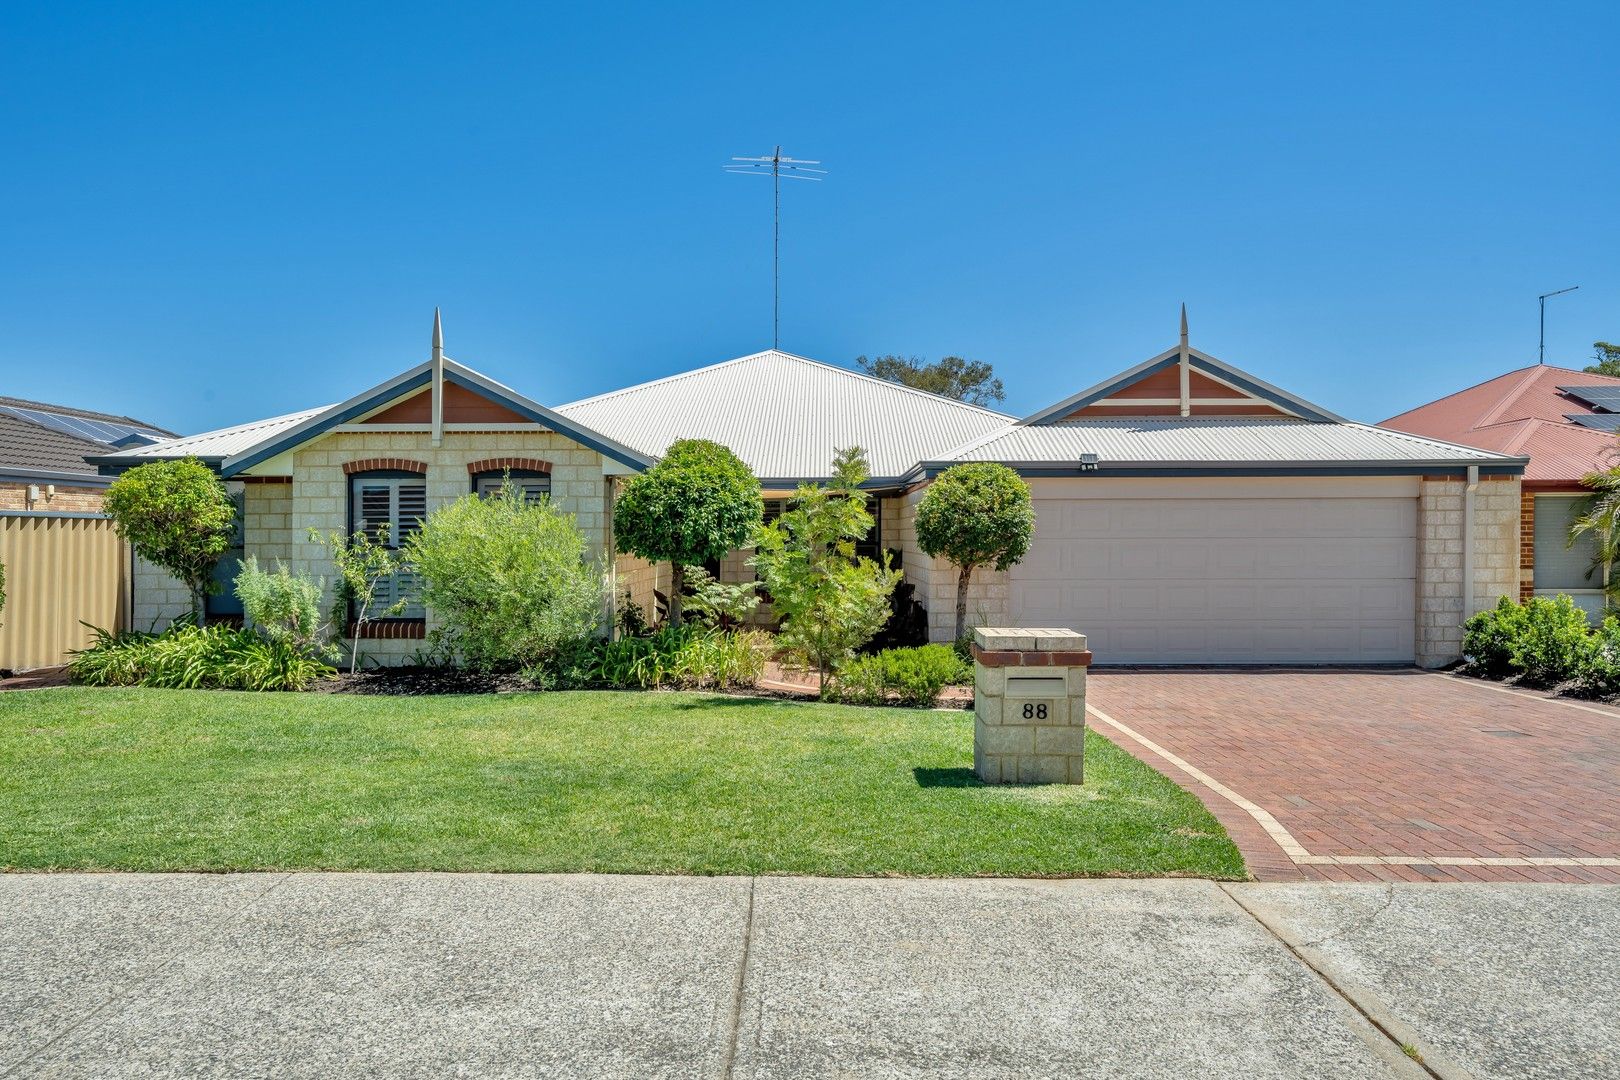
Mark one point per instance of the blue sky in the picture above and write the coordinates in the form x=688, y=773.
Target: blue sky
x=214, y=214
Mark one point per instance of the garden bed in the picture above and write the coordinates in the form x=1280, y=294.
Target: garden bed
x=623, y=782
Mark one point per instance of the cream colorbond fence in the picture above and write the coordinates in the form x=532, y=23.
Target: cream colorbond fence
x=62, y=570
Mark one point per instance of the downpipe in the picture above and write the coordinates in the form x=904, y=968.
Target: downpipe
x=1468, y=543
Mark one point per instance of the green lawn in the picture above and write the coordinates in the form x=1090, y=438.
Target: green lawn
x=618, y=782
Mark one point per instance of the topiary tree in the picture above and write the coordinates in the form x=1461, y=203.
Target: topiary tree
x=975, y=515
x=176, y=515
x=696, y=504
x=830, y=601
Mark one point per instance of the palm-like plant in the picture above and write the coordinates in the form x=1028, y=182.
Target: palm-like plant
x=1598, y=515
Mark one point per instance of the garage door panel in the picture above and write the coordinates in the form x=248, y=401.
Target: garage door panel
x=1226, y=580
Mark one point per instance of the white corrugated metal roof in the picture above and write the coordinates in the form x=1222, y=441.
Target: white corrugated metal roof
x=785, y=415
x=219, y=444
x=1235, y=440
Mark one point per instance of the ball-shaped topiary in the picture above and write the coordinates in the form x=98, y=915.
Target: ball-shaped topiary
x=974, y=515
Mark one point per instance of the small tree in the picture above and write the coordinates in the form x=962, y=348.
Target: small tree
x=696, y=504
x=508, y=578
x=176, y=515
x=362, y=564
x=1598, y=515
x=975, y=515
x=831, y=602
x=972, y=381
x=284, y=605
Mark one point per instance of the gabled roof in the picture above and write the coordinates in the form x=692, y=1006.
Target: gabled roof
x=785, y=415
x=1198, y=361
x=1218, y=443
x=236, y=450
x=1525, y=412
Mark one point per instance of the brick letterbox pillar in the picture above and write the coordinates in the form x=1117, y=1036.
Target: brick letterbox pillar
x=1029, y=706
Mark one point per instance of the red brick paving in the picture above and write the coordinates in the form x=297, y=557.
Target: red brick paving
x=1389, y=763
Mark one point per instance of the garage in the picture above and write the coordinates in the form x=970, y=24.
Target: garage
x=1194, y=576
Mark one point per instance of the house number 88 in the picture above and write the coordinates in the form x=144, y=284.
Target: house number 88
x=1034, y=712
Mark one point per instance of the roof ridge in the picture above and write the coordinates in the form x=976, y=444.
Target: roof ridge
x=890, y=383
x=1490, y=416
x=1428, y=439
x=663, y=379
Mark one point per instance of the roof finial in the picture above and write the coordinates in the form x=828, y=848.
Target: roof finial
x=438, y=331
x=1184, y=325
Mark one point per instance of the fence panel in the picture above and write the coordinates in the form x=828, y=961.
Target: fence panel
x=60, y=569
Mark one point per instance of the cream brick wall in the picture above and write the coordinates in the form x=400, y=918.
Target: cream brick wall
x=66, y=500
x=160, y=597
x=267, y=522
x=1441, y=609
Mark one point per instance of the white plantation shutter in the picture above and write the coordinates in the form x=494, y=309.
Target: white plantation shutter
x=400, y=503
x=533, y=488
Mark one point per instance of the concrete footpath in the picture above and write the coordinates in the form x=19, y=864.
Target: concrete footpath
x=323, y=975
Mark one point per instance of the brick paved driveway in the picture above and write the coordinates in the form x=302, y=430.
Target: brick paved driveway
x=1381, y=775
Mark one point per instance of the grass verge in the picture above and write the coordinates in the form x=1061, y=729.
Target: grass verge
x=610, y=782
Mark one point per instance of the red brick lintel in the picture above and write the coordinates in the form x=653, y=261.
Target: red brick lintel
x=501, y=464
x=997, y=658
x=380, y=464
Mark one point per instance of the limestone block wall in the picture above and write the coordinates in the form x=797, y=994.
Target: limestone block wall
x=319, y=497
x=1443, y=601
x=160, y=597
x=267, y=521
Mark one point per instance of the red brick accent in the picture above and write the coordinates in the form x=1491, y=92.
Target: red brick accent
x=997, y=658
x=391, y=630
x=501, y=464
x=1527, y=543
x=379, y=463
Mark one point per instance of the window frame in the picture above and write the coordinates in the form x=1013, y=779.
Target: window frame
x=480, y=478
x=395, y=533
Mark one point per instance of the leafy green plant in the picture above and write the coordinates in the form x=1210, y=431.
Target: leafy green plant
x=830, y=601
x=509, y=579
x=283, y=605
x=632, y=618
x=363, y=564
x=1598, y=669
x=720, y=604
x=696, y=504
x=1598, y=515
x=176, y=515
x=682, y=656
x=1553, y=642
x=914, y=676
x=1489, y=638
x=973, y=515
x=191, y=657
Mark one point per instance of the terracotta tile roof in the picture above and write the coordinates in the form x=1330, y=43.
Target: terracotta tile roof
x=1522, y=413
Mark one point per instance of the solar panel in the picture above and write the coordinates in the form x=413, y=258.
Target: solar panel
x=1596, y=421
x=102, y=431
x=1604, y=397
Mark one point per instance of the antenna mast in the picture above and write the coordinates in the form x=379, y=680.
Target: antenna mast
x=777, y=167
x=1541, y=356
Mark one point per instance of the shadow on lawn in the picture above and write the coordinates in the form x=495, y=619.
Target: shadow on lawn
x=946, y=777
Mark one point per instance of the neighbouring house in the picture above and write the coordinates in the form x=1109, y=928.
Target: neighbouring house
x=43, y=450
x=1564, y=422
x=1188, y=512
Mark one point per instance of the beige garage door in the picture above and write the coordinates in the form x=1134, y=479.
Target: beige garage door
x=1218, y=581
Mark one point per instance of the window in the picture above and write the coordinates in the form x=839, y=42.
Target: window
x=534, y=485
x=399, y=502
x=1560, y=567
x=870, y=546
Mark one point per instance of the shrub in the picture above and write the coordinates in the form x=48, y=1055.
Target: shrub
x=722, y=605
x=974, y=515
x=508, y=578
x=364, y=564
x=682, y=656
x=1554, y=641
x=696, y=504
x=283, y=605
x=176, y=515
x=1598, y=671
x=830, y=601
x=906, y=676
x=191, y=657
x=1489, y=638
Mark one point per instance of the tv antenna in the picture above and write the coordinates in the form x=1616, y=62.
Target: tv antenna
x=777, y=168
x=1541, y=357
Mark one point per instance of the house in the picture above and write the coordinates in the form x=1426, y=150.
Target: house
x=1564, y=422
x=1187, y=512
x=43, y=449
